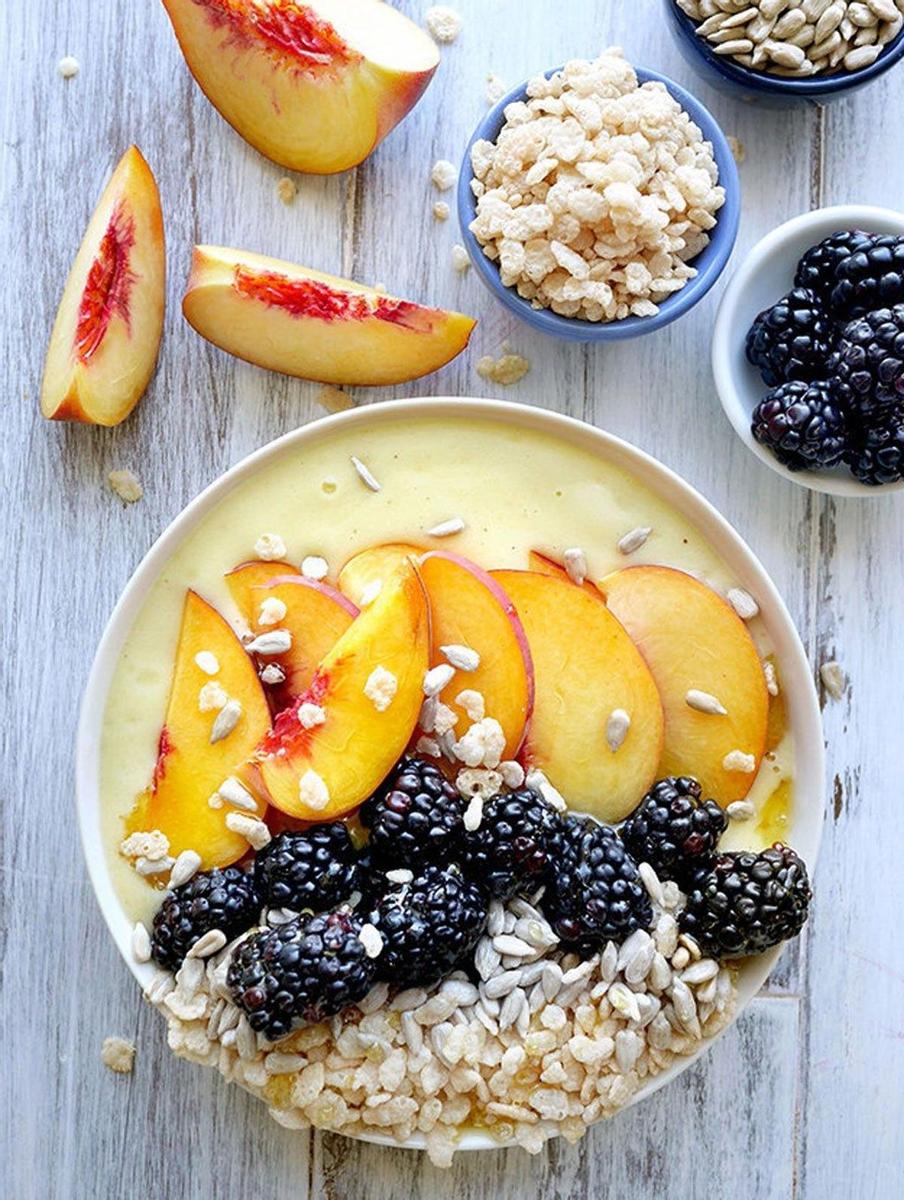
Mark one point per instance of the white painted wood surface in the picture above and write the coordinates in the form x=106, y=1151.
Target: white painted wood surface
x=805, y=1097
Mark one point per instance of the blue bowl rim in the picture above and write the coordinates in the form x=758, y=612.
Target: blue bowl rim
x=783, y=85
x=720, y=247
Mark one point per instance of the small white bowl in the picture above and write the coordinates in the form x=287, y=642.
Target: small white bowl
x=764, y=276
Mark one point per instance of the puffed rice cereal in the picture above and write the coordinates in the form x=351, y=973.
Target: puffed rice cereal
x=596, y=194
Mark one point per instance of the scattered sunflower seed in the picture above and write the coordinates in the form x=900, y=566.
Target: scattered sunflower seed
x=634, y=539
x=705, y=703
x=446, y=528
x=617, y=728
x=833, y=679
x=365, y=475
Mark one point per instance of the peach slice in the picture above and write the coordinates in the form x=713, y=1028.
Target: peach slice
x=314, y=86
x=301, y=322
x=190, y=767
x=360, y=575
x=106, y=336
x=693, y=640
x=316, y=616
x=468, y=607
x=341, y=737
x=586, y=669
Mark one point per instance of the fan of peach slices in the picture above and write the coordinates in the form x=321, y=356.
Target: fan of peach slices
x=303, y=714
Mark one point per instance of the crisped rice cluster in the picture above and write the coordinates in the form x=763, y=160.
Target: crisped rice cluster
x=596, y=194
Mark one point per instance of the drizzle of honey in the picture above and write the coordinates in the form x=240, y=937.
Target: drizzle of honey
x=775, y=815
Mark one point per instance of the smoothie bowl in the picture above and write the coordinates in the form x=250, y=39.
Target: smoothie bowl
x=436, y=805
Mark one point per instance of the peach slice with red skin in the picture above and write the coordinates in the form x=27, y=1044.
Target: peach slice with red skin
x=357, y=743
x=301, y=322
x=189, y=766
x=692, y=639
x=317, y=615
x=105, y=339
x=585, y=667
x=364, y=570
x=468, y=607
x=314, y=85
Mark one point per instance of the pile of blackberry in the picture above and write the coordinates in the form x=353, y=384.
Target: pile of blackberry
x=832, y=354
x=325, y=918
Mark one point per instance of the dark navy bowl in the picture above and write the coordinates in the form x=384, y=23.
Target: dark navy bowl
x=709, y=263
x=774, y=91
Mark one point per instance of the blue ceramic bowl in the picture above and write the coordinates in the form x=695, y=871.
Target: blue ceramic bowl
x=775, y=91
x=710, y=262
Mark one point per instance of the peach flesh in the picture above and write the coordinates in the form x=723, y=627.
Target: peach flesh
x=586, y=667
x=356, y=745
x=692, y=639
x=469, y=607
x=110, y=281
x=312, y=298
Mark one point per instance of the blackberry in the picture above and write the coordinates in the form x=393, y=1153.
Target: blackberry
x=315, y=870
x=747, y=902
x=673, y=829
x=818, y=269
x=415, y=817
x=791, y=340
x=870, y=278
x=876, y=454
x=427, y=925
x=593, y=891
x=803, y=424
x=868, y=363
x=218, y=899
x=306, y=970
x=519, y=835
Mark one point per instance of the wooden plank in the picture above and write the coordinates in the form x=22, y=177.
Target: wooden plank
x=853, y=1034
x=73, y=1129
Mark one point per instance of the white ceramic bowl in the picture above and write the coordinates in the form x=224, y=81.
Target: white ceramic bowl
x=800, y=695
x=765, y=275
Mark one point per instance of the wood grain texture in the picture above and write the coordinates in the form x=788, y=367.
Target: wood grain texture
x=804, y=1097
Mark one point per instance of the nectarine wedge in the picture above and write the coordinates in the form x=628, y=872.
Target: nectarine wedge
x=341, y=737
x=190, y=767
x=313, y=85
x=314, y=615
x=693, y=641
x=106, y=336
x=301, y=322
x=361, y=574
x=586, y=668
x=470, y=608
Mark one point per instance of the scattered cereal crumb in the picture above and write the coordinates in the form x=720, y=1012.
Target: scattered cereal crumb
x=287, y=190
x=505, y=370
x=441, y=210
x=152, y=845
x=270, y=547
x=371, y=939
x=743, y=603
x=460, y=260
x=126, y=485
x=737, y=760
x=738, y=149
x=313, y=792
x=253, y=829
x=334, y=400
x=833, y=679
x=315, y=567
x=68, y=66
x=380, y=688
x=272, y=611
x=443, y=23
x=310, y=715
x=212, y=697
x=771, y=677
x=118, y=1054
x=443, y=174
x=496, y=89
